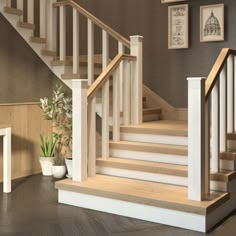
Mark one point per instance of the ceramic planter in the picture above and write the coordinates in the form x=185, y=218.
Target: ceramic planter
x=46, y=165
x=58, y=172
x=69, y=167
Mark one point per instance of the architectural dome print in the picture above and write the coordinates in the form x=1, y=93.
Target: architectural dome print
x=212, y=26
x=212, y=23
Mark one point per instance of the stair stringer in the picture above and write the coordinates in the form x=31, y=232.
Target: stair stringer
x=26, y=34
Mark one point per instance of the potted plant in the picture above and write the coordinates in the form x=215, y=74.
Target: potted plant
x=58, y=167
x=47, y=148
x=59, y=111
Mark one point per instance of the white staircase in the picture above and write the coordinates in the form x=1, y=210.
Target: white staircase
x=158, y=170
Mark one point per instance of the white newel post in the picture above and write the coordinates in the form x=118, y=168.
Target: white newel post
x=79, y=132
x=196, y=139
x=136, y=49
x=51, y=26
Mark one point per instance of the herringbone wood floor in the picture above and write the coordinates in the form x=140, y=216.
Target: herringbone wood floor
x=32, y=210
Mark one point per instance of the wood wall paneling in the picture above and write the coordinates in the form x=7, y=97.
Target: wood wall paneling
x=27, y=123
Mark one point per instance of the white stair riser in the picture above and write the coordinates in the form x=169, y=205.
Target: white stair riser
x=160, y=178
x=154, y=214
x=152, y=138
x=149, y=156
x=227, y=165
x=151, y=117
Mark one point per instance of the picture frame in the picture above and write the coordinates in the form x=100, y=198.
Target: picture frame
x=178, y=36
x=169, y=1
x=212, y=23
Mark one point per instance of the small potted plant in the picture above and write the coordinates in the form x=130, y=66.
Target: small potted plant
x=47, y=146
x=59, y=111
x=58, y=167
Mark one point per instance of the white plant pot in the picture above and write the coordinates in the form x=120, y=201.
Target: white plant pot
x=69, y=167
x=46, y=165
x=58, y=172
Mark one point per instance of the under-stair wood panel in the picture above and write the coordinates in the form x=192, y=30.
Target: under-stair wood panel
x=27, y=123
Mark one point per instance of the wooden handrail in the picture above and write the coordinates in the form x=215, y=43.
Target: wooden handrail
x=212, y=77
x=95, y=20
x=107, y=72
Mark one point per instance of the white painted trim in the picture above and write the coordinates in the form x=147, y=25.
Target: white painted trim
x=152, y=138
x=149, y=156
x=134, y=210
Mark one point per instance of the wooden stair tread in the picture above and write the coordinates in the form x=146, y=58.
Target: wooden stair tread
x=26, y=25
x=151, y=147
x=13, y=11
x=231, y=136
x=48, y=53
x=147, y=111
x=76, y=76
x=144, y=166
x=37, y=40
x=144, y=192
x=82, y=58
x=162, y=127
x=159, y=168
x=229, y=155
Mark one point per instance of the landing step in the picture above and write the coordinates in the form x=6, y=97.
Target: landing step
x=144, y=192
x=13, y=11
x=37, y=40
x=161, y=203
x=26, y=25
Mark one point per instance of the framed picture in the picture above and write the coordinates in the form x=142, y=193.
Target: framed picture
x=178, y=26
x=212, y=23
x=167, y=1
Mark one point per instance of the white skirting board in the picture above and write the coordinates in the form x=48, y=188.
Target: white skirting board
x=134, y=210
x=161, y=178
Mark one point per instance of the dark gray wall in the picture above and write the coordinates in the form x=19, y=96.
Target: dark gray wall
x=165, y=71
x=23, y=76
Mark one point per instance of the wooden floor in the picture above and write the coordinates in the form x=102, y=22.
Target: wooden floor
x=32, y=210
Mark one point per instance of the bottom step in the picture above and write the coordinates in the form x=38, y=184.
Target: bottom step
x=160, y=203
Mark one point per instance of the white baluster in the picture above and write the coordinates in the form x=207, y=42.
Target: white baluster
x=90, y=52
x=127, y=93
x=136, y=49
x=230, y=94
x=30, y=11
x=62, y=33
x=79, y=132
x=51, y=26
x=42, y=27
x=234, y=94
x=116, y=106
x=7, y=161
x=196, y=139
x=223, y=110
x=8, y=3
x=215, y=130
x=105, y=97
x=92, y=137
x=121, y=50
x=75, y=41
x=20, y=6
x=207, y=148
